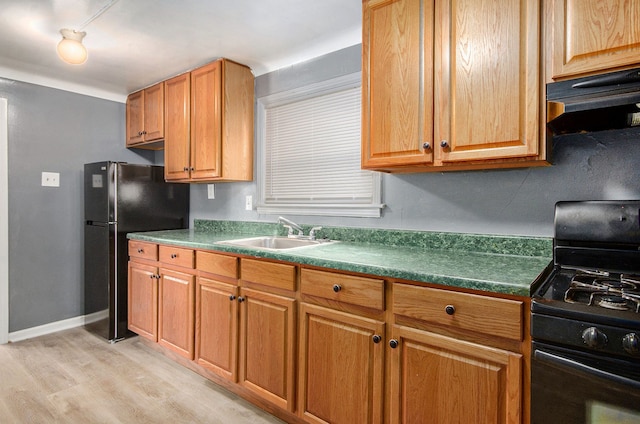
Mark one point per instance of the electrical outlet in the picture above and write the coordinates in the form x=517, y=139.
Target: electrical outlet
x=211, y=194
x=248, y=204
x=50, y=179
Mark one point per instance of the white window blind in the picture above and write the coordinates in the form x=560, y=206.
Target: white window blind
x=311, y=153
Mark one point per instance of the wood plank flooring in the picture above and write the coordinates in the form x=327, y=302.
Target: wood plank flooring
x=74, y=376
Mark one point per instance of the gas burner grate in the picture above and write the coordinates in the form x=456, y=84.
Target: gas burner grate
x=600, y=288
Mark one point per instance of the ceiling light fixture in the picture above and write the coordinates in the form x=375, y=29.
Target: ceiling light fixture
x=70, y=48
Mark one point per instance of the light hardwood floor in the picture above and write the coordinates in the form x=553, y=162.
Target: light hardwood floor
x=75, y=377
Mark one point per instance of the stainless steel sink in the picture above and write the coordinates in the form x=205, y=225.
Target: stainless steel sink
x=276, y=243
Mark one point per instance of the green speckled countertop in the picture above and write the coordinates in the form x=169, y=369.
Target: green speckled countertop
x=499, y=264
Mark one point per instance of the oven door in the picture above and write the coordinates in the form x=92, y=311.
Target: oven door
x=573, y=387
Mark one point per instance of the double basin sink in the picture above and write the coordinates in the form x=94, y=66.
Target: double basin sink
x=276, y=242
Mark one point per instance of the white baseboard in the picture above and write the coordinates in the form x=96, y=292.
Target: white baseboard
x=53, y=327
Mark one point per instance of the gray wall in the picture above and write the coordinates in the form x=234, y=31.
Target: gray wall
x=57, y=131
x=595, y=166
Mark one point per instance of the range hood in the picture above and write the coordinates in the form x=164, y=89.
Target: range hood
x=595, y=103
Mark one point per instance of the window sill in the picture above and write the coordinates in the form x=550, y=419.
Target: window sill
x=356, y=211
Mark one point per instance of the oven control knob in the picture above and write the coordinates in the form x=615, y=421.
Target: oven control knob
x=594, y=338
x=630, y=344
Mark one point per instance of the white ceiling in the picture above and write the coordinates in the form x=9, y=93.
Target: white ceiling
x=136, y=43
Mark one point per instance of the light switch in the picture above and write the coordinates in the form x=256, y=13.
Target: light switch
x=248, y=203
x=51, y=179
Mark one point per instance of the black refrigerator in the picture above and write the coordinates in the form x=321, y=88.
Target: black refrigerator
x=120, y=198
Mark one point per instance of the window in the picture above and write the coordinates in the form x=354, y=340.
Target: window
x=309, y=152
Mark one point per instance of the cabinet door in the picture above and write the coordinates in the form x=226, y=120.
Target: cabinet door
x=397, y=115
x=217, y=327
x=154, y=112
x=206, y=115
x=135, y=118
x=176, y=322
x=177, y=117
x=594, y=35
x=487, y=71
x=341, y=367
x=143, y=300
x=440, y=380
x=267, y=346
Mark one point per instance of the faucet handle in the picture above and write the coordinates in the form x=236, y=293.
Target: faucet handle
x=290, y=230
x=312, y=232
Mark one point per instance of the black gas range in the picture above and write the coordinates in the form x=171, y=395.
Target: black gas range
x=585, y=322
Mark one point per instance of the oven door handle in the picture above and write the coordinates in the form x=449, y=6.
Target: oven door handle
x=559, y=360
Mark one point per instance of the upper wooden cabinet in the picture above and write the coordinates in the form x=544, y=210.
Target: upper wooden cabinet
x=451, y=85
x=593, y=36
x=209, y=115
x=145, y=117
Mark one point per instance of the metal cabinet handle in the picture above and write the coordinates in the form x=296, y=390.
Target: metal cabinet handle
x=241, y=299
x=426, y=145
x=376, y=339
x=337, y=288
x=232, y=298
x=174, y=255
x=140, y=250
x=450, y=309
x=393, y=343
x=444, y=144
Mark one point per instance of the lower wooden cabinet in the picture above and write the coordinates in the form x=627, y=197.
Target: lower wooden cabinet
x=341, y=367
x=176, y=316
x=217, y=327
x=322, y=346
x=267, y=346
x=143, y=300
x=440, y=380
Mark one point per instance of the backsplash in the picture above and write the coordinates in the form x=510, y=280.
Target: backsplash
x=506, y=245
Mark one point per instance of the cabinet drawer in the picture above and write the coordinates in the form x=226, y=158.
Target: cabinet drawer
x=360, y=291
x=143, y=250
x=270, y=274
x=214, y=263
x=177, y=256
x=484, y=314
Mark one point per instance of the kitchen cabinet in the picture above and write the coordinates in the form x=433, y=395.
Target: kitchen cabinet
x=142, y=306
x=436, y=368
x=176, y=300
x=268, y=331
x=209, y=115
x=438, y=379
x=341, y=365
x=451, y=85
x=217, y=314
x=590, y=36
x=317, y=345
x=178, y=118
x=145, y=117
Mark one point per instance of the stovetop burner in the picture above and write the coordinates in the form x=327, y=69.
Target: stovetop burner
x=619, y=292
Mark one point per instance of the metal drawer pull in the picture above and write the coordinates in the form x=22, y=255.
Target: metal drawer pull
x=174, y=255
x=450, y=309
x=337, y=288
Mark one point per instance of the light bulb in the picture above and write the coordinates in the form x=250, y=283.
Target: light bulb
x=70, y=49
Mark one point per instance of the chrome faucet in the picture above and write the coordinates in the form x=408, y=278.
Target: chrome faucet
x=290, y=225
